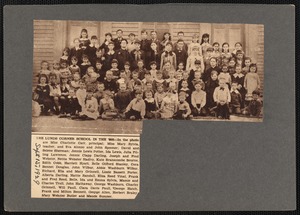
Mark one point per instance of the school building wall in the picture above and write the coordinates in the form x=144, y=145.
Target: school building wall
x=51, y=36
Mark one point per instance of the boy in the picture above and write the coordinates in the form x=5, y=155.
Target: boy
x=55, y=92
x=239, y=78
x=254, y=108
x=114, y=69
x=236, y=99
x=131, y=42
x=222, y=98
x=122, y=55
x=196, y=69
x=196, y=79
x=159, y=81
x=63, y=100
x=159, y=95
x=134, y=81
x=76, y=51
x=118, y=40
x=183, y=109
x=99, y=70
x=137, y=54
x=122, y=99
x=107, y=106
x=99, y=92
x=136, y=108
x=109, y=56
x=147, y=79
x=145, y=44
x=109, y=82
x=153, y=69
x=198, y=100
x=73, y=106
x=127, y=70
x=180, y=52
x=91, y=50
x=213, y=66
x=180, y=36
x=140, y=69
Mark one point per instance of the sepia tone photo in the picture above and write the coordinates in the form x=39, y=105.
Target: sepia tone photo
x=92, y=76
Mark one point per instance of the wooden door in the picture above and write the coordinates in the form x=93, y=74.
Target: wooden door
x=230, y=33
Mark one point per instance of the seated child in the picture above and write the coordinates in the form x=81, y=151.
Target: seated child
x=168, y=106
x=63, y=100
x=239, y=78
x=42, y=94
x=107, y=106
x=196, y=79
x=147, y=79
x=81, y=95
x=74, y=68
x=150, y=105
x=159, y=81
x=99, y=92
x=134, y=81
x=55, y=93
x=222, y=98
x=64, y=70
x=159, y=95
x=171, y=78
x=90, y=79
x=224, y=74
x=180, y=68
x=127, y=70
x=109, y=83
x=75, y=82
x=236, y=99
x=90, y=108
x=184, y=88
x=198, y=100
x=184, y=109
x=254, y=109
x=136, y=108
x=153, y=69
x=122, y=99
x=140, y=69
x=185, y=77
x=84, y=65
x=73, y=106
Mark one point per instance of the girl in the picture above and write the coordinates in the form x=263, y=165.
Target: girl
x=64, y=70
x=247, y=62
x=195, y=55
x=168, y=106
x=44, y=69
x=90, y=108
x=237, y=47
x=90, y=79
x=168, y=56
x=66, y=55
x=104, y=47
x=167, y=38
x=205, y=43
x=42, y=94
x=76, y=51
x=216, y=52
x=150, y=105
x=210, y=87
x=74, y=68
x=56, y=71
x=84, y=65
x=84, y=39
x=225, y=51
x=224, y=74
x=194, y=43
x=251, y=81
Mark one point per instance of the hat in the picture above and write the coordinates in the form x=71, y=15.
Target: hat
x=197, y=62
x=137, y=42
x=114, y=61
x=210, y=49
x=127, y=63
x=153, y=62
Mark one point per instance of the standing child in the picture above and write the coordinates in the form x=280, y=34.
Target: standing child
x=224, y=74
x=74, y=68
x=81, y=95
x=197, y=68
x=159, y=95
x=136, y=108
x=166, y=40
x=171, y=79
x=210, y=87
x=194, y=43
x=109, y=56
x=153, y=70
x=84, y=65
x=240, y=58
x=114, y=69
x=246, y=68
x=237, y=47
x=90, y=108
x=104, y=46
x=100, y=70
x=73, y=106
x=153, y=55
x=213, y=67
x=107, y=106
x=168, y=56
x=55, y=93
x=222, y=98
x=122, y=99
x=181, y=53
x=183, y=110
x=137, y=54
x=251, y=81
x=207, y=57
x=236, y=99
x=64, y=70
x=196, y=79
x=231, y=66
x=205, y=43
x=216, y=52
x=140, y=69
x=66, y=55
x=198, y=100
x=44, y=69
x=91, y=50
x=239, y=78
x=76, y=51
x=127, y=70
x=150, y=105
x=225, y=51
x=84, y=40
x=42, y=94
x=194, y=57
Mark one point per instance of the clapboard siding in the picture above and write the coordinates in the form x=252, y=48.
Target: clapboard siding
x=189, y=30
x=43, y=31
x=127, y=27
x=260, y=53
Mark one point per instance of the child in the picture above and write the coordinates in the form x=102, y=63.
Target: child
x=180, y=68
x=122, y=55
x=167, y=39
x=197, y=68
x=136, y=108
x=63, y=100
x=216, y=52
x=159, y=95
x=81, y=95
x=148, y=87
x=213, y=66
x=140, y=69
x=239, y=78
x=64, y=70
x=74, y=68
x=240, y=58
x=222, y=98
x=153, y=70
x=181, y=53
x=91, y=50
x=225, y=51
x=207, y=57
x=134, y=81
x=168, y=56
x=251, y=81
x=114, y=69
x=150, y=105
x=198, y=100
x=42, y=94
x=104, y=46
x=55, y=93
x=183, y=110
x=84, y=40
x=107, y=106
x=99, y=92
x=231, y=66
x=246, y=68
x=224, y=74
x=193, y=58
x=237, y=47
x=153, y=55
x=66, y=55
x=127, y=70
x=178, y=76
x=122, y=99
x=131, y=42
x=236, y=99
x=123, y=79
x=254, y=108
x=159, y=81
x=109, y=82
x=109, y=55
x=99, y=70
x=147, y=79
x=205, y=43
x=84, y=65
x=171, y=79
x=194, y=43
x=137, y=54
x=184, y=88
x=76, y=51
x=186, y=77
x=168, y=105
x=90, y=108
x=196, y=79
x=166, y=69
x=44, y=69
x=90, y=79
x=210, y=87
x=75, y=83
x=55, y=70
x=73, y=106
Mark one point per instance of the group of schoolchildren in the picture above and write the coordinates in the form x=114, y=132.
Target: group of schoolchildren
x=136, y=79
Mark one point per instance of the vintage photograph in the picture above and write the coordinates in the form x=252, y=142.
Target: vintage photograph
x=108, y=76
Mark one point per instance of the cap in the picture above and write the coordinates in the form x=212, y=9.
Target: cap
x=131, y=34
x=127, y=63
x=114, y=61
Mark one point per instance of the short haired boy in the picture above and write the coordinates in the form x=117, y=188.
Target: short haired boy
x=183, y=109
x=136, y=108
x=236, y=99
x=122, y=99
x=222, y=98
x=254, y=108
x=198, y=100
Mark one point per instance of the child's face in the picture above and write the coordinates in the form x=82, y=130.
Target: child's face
x=89, y=95
x=149, y=86
x=213, y=62
x=83, y=34
x=179, y=76
x=71, y=92
x=184, y=84
x=180, y=66
x=138, y=96
x=153, y=66
x=252, y=69
x=76, y=77
x=82, y=85
x=195, y=39
x=123, y=44
x=64, y=81
x=166, y=36
x=76, y=43
x=144, y=35
x=225, y=47
x=114, y=65
x=238, y=46
x=225, y=60
x=111, y=47
x=180, y=36
x=94, y=41
x=171, y=74
x=135, y=76
x=42, y=80
x=106, y=96
x=181, y=98
x=44, y=65
x=52, y=79
x=122, y=75
x=160, y=89
x=153, y=46
x=168, y=47
x=131, y=37
x=222, y=84
x=225, y=69
x=74, y=61
x=109, y=75
x=247, y=62
x=108, y=37
x=153, y=35
x=126, y=67
x=85, y=59
x=180, y=45
x=90, y=72
x=98, y=65
x=197, y=75
x=122, y=87
x=98, y=54
x=195, y=51
x=148, y=95
x=205, y=39
x=233, y=86
x=63, y=65
x=140, y=64
x=137, y=46
x=209, y=53
x=148, y=76
x=214, y=77
x=239, y=56
x=66, y=53
x=232, y=63
x=119, y=34
x=185, y=76
x=167, y=66
x=216, y=47
x=100, y=87
x=197, y=65
x=137, y=87
x=172, y=86
x=238, y=69
x=159, y=76
x=254, y=97
x=56, y=65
